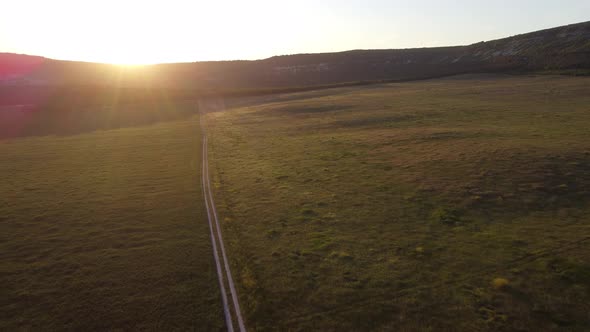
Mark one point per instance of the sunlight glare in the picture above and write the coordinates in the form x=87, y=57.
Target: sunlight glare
x=143, y=32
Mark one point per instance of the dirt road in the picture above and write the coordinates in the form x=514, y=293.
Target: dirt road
x=221, y=261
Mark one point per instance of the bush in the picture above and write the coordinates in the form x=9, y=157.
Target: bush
x=500, y=283
x=446, y=216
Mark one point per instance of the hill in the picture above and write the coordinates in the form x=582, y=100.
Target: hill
x=565, y=47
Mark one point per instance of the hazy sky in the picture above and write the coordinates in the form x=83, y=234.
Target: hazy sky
x=129, y=31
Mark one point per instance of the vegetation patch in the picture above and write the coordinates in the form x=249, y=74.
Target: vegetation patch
x=446, y=216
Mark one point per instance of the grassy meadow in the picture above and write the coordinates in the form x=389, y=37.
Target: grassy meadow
x=106, y=230
x=442, y=205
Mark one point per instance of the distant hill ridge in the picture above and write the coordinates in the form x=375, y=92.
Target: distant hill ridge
x=565, y=47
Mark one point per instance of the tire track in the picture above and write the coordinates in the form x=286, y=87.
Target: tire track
x=215, y=230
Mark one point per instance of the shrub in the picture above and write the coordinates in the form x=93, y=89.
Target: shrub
x=446, y=216
x=500, y=283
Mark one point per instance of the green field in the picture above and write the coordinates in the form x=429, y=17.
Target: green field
x=458, y=204
x=443, y=205
x=106, y=231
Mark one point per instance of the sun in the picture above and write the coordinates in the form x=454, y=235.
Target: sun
x=129, y=58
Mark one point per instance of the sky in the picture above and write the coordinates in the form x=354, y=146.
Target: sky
x=155, y=31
